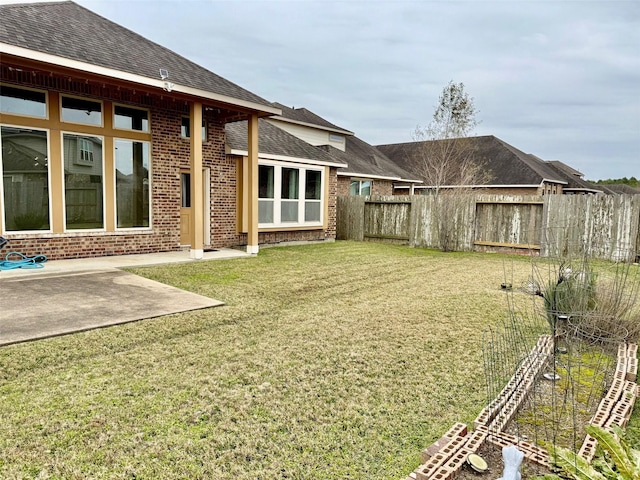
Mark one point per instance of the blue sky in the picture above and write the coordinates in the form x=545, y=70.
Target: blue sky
x=559, y=79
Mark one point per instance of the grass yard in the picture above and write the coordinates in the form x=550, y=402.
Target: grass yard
x=328, y=361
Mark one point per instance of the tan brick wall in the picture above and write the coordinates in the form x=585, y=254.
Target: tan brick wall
x=169, y=154
x=343, y=186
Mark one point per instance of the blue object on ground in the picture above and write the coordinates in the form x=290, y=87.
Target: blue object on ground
x=22, y=261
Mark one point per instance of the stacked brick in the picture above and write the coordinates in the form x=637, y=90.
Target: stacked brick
x=500, y=411
x=447, y=456
x=616, y=407
x=444, y=459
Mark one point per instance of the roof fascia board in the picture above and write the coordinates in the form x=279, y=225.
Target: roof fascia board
x=582, y=190
x=285, y=158
x=471, y=186
x=365, y=176
x=131, y=77
x=313, y=125
x=553, y=181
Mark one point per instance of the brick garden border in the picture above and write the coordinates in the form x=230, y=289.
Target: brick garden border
x=445, y=458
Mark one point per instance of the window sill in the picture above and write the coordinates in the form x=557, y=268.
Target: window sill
x=285, y=228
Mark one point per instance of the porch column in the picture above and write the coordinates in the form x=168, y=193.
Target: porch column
x=197, y=194
x=252, y=164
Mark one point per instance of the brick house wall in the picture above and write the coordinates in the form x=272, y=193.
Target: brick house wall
x=170, y=153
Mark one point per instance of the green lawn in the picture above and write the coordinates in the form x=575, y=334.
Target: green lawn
x=328, y=361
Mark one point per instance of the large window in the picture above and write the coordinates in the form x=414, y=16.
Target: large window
x=360, y=187
x=289, y=195
x=313, y=196
x=19, y=101
x=25, y=178
x=83, y=182
x=132, y=184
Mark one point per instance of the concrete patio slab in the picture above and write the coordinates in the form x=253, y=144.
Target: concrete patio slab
x=74, y=297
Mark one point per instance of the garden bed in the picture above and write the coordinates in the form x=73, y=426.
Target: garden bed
x=446, y=459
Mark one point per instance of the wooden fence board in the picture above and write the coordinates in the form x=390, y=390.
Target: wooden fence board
x=607, y=226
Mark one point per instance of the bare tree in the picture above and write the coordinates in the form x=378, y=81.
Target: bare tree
x=444, y=156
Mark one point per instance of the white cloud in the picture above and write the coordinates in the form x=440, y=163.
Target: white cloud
x=557, y=79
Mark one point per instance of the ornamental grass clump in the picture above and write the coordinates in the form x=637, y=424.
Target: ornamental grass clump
x=596, y=302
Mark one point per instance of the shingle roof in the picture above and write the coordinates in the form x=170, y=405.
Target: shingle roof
x=572, y=176
x=365, y=160
x=619, y=189
x=565, y=168
x=505, y=164
x=302, y=115
x=275, y=141
x=65, y=29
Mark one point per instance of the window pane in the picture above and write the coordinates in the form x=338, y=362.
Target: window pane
x=354, y=188
x=290, y=183
x=25, y=178
x=132, y=184
x=312, y=211
x=79, y=110
x=265, y=211
x=289, y=211
x=23, y=102
x=365, y=188
x=185, y=129
x=131, y=118
x=83, y=190
x=265, y=181
x=185, y=187
x=312, y=185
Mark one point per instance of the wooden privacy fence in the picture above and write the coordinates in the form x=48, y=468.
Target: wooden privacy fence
x=608, y=226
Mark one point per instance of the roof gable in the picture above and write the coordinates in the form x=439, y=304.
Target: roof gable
x=68, y=30
x=306, y=117
x=275, y=141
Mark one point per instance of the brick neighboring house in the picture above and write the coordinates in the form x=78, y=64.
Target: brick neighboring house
x=367, y=171
x=511, y=171
x=112, y=144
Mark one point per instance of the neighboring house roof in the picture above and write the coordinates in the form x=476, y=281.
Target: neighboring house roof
x=363, y=160
x=619, y=189
x=65, y=30
x=575, y=183
x=505, y=164
x=277, y=144
x=565, y=168
x=367, y=161
x=302, y=116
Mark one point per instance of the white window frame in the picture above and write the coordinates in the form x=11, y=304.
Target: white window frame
x=277, y=192
x=360, y=182
x=85, y=151
x=2, y=204
x=115, y=190
x=46, y=102
x=81, y=138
